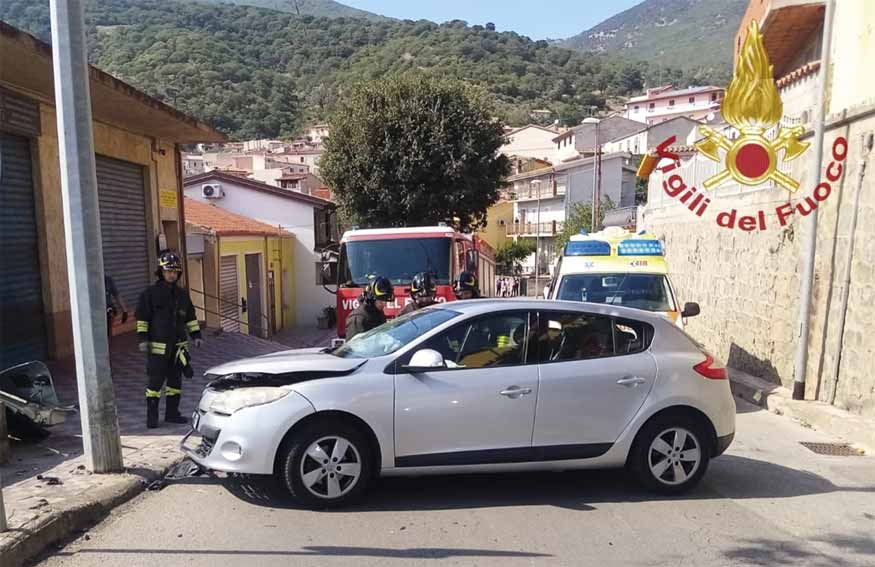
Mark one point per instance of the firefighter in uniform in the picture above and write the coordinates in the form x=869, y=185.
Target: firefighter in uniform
x=165, y=317
x=369, y=314
x=422, y=291
x=466, y=286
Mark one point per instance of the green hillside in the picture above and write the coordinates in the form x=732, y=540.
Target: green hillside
x=671, y=32
x=254, y=72
x=318, y=8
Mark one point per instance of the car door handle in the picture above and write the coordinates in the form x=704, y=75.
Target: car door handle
x=631, y=381
x=515, y=391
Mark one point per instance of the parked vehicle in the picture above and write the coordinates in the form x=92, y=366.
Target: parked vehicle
x=472, y=386
x=618, y=267
x=400, y=253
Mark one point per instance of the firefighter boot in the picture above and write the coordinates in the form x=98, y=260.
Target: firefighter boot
x=152, y=412
x=171, y=410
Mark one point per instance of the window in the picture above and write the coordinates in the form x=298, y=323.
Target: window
x=637, y=108
x=641, y=291
x=302, y=159
x=692, y=100
x=713, y=96
x=566, y=336
x=671, y=102
x=651, y=107
x=396, y=259
x=490, y=341
x=391, y=336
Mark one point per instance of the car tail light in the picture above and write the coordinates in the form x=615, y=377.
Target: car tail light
x=711, y=369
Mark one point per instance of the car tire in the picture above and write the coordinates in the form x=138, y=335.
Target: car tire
x=670, y=454
x=328, y=464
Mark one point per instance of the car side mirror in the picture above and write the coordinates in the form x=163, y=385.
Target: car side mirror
x=425, y=360
x=690, y=310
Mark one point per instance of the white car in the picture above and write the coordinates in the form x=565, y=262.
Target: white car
x=472, y=386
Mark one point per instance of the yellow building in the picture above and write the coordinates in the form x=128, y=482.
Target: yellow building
x=136, y=139
x=238, y=271
x=498, y=218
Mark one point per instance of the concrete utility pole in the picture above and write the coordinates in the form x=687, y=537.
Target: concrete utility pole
x=809, y=242
x=595, y=173
x=100, y=434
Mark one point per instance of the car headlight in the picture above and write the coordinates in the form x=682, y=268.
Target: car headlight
x=234, y=400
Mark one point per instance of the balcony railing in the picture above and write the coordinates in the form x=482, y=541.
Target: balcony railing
x=530, y=193
x=535, y=229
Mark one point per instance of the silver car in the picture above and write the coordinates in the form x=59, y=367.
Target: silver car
x=472, y=386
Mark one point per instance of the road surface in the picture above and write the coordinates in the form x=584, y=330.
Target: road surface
x=768, y=501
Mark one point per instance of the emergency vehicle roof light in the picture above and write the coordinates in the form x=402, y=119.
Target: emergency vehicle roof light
x=640, y=248
x=588, y=248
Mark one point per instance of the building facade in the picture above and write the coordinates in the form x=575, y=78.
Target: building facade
x=664, y=103
x=532, y=141
x=239, y=271
x=139, y=184
x=748, y=282
x=310, y=219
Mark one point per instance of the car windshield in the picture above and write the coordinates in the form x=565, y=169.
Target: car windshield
x=396, y=259
x=641, y=291
x=395, y=334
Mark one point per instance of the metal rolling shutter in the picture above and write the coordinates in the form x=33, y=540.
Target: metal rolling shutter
x=22, y=323
x=121, y=193
x=228, y=290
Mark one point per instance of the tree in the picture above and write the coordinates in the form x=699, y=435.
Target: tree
x=580, y=218
x=415, y=150
x=509, y=256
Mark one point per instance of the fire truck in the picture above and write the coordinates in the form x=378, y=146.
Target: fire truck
x=398, y=254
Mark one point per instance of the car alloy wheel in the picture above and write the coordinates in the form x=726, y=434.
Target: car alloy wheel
x=674, y=456
x=331, y=467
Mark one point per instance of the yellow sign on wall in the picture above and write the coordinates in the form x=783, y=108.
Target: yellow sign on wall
x=167, y=198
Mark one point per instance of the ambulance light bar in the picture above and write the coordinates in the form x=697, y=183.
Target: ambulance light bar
x=588, y=248
x=640, y=248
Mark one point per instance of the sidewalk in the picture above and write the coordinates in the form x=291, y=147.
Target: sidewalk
x=843, y=425
x=47, y=491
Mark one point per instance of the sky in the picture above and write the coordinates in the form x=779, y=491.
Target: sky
x=554, y=19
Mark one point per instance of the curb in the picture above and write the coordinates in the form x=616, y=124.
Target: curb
x=844, y=425
x=31, y=539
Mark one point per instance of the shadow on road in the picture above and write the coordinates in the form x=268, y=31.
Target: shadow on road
x=320, y=550
x=785, y=552
x=729, y=476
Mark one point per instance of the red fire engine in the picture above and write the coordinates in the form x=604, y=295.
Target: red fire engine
x=400, y=253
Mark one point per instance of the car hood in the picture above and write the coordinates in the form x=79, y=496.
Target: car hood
x=310, y=360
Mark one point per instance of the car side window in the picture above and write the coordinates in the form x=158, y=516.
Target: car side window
x=631, y=337
x=495, y=340
x=564, y=336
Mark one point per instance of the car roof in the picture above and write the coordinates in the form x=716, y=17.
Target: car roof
x=482, y=306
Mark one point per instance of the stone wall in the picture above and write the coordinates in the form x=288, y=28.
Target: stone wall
x=748, y=282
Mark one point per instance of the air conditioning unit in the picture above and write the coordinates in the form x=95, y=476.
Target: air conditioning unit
x=212, y=191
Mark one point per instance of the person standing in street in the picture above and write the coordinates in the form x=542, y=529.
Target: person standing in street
x=114, y=303
x=422, y=291
x=369, y=313
x=165, y=319
x=466, y=286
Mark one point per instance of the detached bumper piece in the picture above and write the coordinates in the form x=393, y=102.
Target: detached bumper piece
x=208, y=437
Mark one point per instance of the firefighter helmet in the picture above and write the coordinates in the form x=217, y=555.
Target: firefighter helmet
x=169, y=261
x=467, y=282
x=379, y=290
x=422, y=285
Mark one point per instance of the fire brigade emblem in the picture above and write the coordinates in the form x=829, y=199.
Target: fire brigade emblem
x=753, y=106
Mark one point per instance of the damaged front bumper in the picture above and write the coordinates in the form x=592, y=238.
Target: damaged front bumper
x=246, y=441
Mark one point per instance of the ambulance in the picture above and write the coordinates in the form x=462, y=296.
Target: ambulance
x=618, y=267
